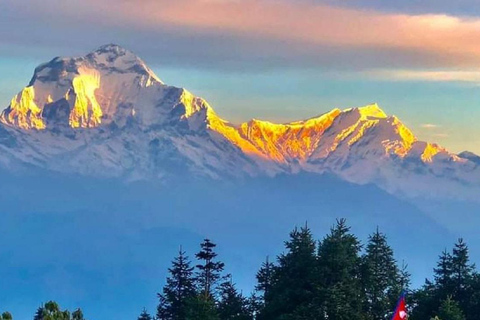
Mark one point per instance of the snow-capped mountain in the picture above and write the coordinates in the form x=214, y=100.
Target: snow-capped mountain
x=107, y=114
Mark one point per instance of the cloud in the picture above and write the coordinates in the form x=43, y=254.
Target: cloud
x=248, y=33
x=429, y=126
x=463, y=7
x=428, y=75
x=441, y=135
x=432, y=130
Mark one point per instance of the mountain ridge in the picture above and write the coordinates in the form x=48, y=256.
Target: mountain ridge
x=108, y=114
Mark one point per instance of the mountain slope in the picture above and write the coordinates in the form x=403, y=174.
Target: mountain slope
x=107, y=114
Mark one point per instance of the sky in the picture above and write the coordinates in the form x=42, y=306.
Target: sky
x=277, y=60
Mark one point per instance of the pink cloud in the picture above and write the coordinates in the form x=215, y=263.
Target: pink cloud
x=468, y=76
x=447, y=40
x=453, y=38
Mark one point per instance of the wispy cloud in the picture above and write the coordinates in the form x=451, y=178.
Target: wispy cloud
x=432, y=131
x=429, y=126
x=441, y=135
x=430, y=76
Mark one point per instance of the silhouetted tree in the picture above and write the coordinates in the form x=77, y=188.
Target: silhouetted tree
x=232, y=304
x=339, y=268
x=265, y=280
x=462, y=275
x=179, y=289
x=6, y=316
x=201, y=307
x=209, y=270
x=292, y=288
x=145, y=315
x=450, y=310
x=77, y=315
x=381, y=278
x=51, y=311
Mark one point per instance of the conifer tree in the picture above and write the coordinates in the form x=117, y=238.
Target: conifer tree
x=450, y=310
x=39, y=314
x=427, y=300
x=145, y=315
x=179, y=289
x=339, y=267
x=51, y=311
x=6, y=316
x=232, y=304
x=294, y=281
x=201, y=307
x=381, y=278
x=77, y=315
x=473, y=309
x=424, y=302
x=255, y=305
x=404, y=277
x=462, y=273
x=209, y=270
x=455, y=282
x=265, y=280
x=443, y=275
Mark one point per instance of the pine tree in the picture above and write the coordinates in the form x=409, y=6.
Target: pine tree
x=6, y=316
x=77, y=315
x=450, y=310
x=209, y=271
x=51, y=311
x=179, y=289
x=473, y=309
x=294, y=281
x=428, y=299
x=339, y=267
x=382, y=280
x=462, y=272
x=232, y=305
x=145, y=315
x=265, y=280
x=201, y=307
x=404, y=277
x=443, y=275
x=455, y=280
x=424, y=302
x=39, y=314
x=255, y=305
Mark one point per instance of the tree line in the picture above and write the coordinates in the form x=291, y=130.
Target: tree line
x=334, y=278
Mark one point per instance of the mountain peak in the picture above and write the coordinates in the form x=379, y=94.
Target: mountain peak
x=81, y=91
x=112, y=48
x=118, y=59
x=110, y=53
x=372, y=110
x=470, y=156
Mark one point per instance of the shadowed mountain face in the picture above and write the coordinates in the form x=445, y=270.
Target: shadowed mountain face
x=108, y=115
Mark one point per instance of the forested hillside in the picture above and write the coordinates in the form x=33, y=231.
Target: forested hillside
x=336, y=277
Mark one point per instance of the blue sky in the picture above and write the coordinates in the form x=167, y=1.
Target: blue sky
x=280, y=61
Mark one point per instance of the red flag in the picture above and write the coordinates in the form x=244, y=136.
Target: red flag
x=401, y=310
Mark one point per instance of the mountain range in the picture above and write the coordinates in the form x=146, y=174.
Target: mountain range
x=106, y=114
x=105, y=170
